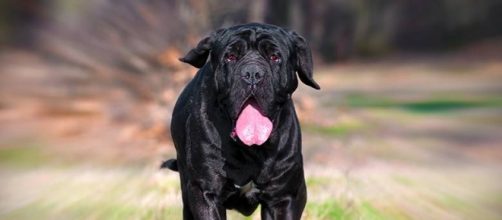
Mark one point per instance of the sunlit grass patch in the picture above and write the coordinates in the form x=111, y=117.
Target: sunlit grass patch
x=438, y=105
x=333, y=209
x=367, y=211
x=28, y=155
x=329, y=209
x=425, y=105
x=403, y=180
x=449, y=201
x=314, y=182
x=78, y=192
x=88, y=209
x=123, y=193
x=378, y=211
x=340, y=128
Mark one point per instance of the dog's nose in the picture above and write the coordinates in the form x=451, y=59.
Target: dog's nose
x=252, y=75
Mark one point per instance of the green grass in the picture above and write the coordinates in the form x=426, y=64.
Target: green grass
x=426, y=105
x=315, y=182
x=367, y=211
x=76, y=192
x=89, y=193
x=93, y=210
x=28, y=155
x=332, y=209
x=329, y=209
x=337, y=130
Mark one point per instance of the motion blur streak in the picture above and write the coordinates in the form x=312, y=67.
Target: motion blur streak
x=407, y=125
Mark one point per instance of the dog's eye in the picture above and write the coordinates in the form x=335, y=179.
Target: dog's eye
x=275, y=58
x=230, y=57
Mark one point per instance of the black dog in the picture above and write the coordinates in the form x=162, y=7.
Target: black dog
x=234, y=126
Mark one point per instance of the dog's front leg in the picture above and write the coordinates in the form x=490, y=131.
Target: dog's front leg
x=204, y=203
x=288, y=207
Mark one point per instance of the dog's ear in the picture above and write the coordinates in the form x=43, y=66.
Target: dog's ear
x=303, y=60
x=197, y=56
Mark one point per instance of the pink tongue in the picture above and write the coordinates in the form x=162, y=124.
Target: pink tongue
x=252, y=127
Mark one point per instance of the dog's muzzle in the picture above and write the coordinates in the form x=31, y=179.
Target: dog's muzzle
x=252, y=74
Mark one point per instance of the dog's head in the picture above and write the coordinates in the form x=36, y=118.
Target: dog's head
x=254, y=67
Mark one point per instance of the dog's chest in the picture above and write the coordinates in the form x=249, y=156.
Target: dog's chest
x=248, y=190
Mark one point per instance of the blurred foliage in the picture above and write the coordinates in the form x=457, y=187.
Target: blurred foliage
x=337, y=29
x=134, y=45
x=87, y=87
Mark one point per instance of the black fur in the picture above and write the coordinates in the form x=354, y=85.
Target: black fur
x=217, y=171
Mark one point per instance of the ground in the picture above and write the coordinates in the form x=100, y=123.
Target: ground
x=405, y=137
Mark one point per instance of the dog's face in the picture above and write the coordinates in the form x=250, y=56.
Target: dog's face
x=254, y=64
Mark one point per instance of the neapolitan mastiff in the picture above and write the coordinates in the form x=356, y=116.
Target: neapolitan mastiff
x=234, y=126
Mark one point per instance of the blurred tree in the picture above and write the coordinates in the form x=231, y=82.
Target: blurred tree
x=421, y=25
x=278, y=12
x=225, y=13
x=127, y=33
x=337, y=35
x=18, y=20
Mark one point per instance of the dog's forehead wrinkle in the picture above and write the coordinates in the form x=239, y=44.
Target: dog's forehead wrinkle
x=249, y=34
x=253, y=56
x=253, y=36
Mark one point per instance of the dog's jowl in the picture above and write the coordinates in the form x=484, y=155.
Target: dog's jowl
x=234, y=126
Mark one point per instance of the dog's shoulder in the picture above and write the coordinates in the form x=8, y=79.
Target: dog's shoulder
x=192, y=89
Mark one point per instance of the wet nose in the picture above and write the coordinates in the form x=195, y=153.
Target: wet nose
x=252, y=75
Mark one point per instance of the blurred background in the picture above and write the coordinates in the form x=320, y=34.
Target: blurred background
x=407, y=125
